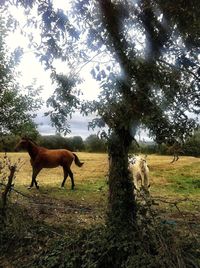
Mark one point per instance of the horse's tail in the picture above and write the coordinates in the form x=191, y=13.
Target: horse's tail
x=77, y=161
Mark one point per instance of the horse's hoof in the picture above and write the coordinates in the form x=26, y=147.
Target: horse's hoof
x=29, y=187
x=37, y=187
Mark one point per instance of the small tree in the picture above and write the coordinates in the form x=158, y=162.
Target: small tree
x=16, y=107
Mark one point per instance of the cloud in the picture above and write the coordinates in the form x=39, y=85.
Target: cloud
x=78, y=125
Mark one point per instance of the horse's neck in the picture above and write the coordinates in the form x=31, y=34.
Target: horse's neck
x=32, y=150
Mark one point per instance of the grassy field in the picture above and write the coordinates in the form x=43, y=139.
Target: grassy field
x=86, y=205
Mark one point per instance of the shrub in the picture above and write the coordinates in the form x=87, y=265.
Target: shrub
x=148, y=243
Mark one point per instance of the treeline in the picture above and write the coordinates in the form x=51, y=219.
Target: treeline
x=91, y=144
x=94, y=144
x=191, y=147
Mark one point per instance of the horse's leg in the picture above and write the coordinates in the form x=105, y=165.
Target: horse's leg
x=146, y=181
x=135, y=181
x=71, y=177
x=34, y=175
x=173, y=159
x=65, y=176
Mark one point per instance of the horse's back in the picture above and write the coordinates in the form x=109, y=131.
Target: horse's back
x=52, y=158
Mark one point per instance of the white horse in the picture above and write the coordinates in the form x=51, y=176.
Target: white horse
x=140, y=172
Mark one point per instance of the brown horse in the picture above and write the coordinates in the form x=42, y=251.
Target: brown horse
x=44, y=158
x=175, y=149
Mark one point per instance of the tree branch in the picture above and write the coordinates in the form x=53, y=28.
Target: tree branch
x=181, y=69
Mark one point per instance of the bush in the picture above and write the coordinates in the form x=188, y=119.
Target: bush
x=8, y=143
x=192, y=145
x=144, y=148
x=58, y=142
x=148, y=243
x=94, y=144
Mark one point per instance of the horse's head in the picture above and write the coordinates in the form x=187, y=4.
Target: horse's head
x=131, y=159
x=137, y=159
x=22, y=144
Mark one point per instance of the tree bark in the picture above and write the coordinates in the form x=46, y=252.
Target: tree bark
x=122, y=206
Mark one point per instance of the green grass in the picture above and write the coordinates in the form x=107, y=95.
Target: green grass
x=179, y=179
x=168, y=181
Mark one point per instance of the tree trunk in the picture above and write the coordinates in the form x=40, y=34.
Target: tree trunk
x=5, y=193
x=122, y=206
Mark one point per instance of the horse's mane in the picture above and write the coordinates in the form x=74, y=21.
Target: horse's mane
x=29, y=139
